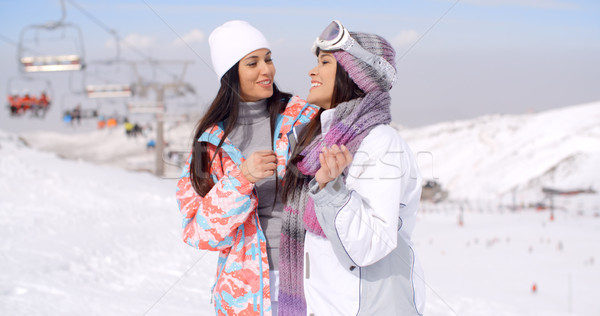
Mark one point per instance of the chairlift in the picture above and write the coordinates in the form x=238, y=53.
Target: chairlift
x=29, y=94
x=104, y=79
x=108, y=91
x=144, y=107
x=36, y=62
x=51, y=63
x=78, y=113
x=76, y=108
x=146, y=77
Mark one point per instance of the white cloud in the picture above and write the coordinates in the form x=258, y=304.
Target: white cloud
x=405, y=38
x=191, y=37
x=135, y=40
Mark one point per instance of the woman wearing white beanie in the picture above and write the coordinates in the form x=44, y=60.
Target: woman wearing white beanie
x=242, y=143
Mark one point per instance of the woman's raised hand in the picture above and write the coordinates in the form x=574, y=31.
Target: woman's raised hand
x=333, y=161
x=259, y=165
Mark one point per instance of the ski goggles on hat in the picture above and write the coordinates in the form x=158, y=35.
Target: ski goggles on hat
x=337, y=37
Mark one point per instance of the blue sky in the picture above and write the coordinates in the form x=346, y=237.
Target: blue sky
x=456, y=60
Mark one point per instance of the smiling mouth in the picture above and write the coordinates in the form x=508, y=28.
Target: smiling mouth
x=265, y=82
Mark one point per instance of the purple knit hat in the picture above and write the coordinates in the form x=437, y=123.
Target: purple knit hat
x=361, y=73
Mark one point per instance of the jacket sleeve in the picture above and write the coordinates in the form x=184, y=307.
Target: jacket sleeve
x=211, y=222
x=362, y=219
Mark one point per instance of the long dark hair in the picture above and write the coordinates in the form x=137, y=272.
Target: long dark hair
x=344, y=90
x=225, y=108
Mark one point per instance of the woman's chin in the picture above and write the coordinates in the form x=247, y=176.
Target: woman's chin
x=318, y=103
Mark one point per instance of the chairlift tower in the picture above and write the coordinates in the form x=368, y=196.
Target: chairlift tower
x=551, y=192
x=178, y=86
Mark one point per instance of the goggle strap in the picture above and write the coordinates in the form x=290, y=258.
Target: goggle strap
x=382, y=66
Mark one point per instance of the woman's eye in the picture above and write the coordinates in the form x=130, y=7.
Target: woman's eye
x=270, y=60
x=251, y=64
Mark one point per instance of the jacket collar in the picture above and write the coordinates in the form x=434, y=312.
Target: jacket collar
x=326, y=120
x=214, y=135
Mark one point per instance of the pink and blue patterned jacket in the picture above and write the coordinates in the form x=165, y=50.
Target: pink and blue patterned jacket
x=226, y=219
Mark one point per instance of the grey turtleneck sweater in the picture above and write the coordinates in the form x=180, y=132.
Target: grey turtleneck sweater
x=252, y=133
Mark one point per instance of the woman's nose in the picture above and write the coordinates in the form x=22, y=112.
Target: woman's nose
x=312, y=72
x=265, y=69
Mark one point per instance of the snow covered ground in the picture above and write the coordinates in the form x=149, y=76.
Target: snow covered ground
x=81, y=239
x=85, y=239
x=489, y=265
x=112, y=147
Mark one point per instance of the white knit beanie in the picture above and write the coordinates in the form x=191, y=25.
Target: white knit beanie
x=232, y=41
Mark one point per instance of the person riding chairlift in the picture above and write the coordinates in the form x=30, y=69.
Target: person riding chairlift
x=25, y=102
x=20, y=105
x=14, y=105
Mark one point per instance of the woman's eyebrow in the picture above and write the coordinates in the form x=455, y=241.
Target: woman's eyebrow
x=255, y=56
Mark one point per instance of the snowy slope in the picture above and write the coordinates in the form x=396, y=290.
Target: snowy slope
x=111, y=147
x=77, y=238
x=81, y=239
x=490, y=156
x=483, y=158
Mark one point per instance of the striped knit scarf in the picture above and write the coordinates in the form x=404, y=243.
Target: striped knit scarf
x=291, y=255
x=352, y=121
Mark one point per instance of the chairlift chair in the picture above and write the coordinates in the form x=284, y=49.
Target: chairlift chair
x=144, y=107
x=41, y=62
x=38, y=87
x=51, y=63
x=100, y=80
x=77, y=106
x=108, y=91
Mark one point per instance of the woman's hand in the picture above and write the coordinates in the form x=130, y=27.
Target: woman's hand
x=259, y=165
x=333, y=161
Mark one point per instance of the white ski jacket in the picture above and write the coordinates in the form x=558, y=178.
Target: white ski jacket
x=367, y=264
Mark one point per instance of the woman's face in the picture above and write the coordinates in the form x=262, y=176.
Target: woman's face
x=322, y=81
x=256, y=71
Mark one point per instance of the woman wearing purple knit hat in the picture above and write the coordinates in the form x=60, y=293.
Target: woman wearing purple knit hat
x=352, y=190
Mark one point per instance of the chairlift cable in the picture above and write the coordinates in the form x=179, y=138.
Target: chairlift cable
x=114, y=33
x=100, y=24
x=179, y=36
x=91, y=17
x=8, y=40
